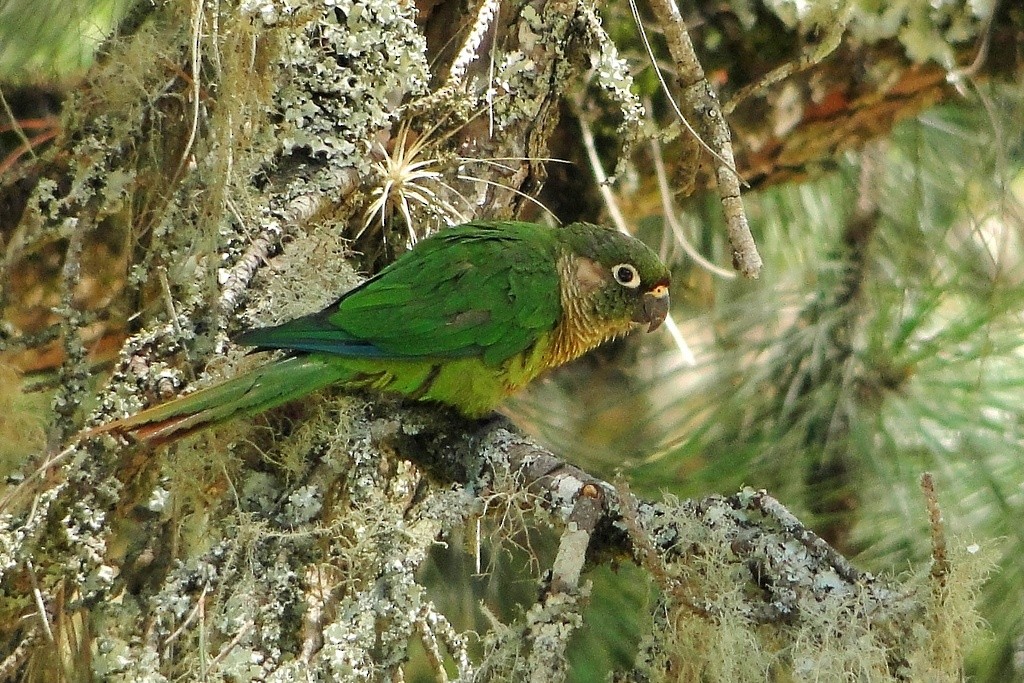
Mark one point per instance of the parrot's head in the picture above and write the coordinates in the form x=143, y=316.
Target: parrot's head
x=615, y=280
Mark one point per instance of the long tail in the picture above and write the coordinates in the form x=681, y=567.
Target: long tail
x=253, y=392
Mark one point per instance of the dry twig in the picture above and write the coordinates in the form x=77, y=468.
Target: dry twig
x=710, y=126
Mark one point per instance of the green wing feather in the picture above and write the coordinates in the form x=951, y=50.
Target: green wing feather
x=487, y=289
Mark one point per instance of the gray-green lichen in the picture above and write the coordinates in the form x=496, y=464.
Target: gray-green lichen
x=612, y=74
x=309, y=274
x=929, y=30
x=350, y=66
x=519, y=73
x=18, y=534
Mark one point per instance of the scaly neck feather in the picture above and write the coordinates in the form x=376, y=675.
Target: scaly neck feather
x=579, y=329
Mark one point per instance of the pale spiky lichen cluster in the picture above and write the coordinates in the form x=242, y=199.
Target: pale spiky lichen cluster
x=188, y=234
x=409, y=179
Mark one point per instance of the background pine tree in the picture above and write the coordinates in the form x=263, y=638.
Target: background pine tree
x=883, y=340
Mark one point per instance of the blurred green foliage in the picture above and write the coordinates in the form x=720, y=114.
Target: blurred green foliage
x=50, y=40
x=877, y=345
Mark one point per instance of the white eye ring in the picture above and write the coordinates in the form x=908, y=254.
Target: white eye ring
x=625, y=274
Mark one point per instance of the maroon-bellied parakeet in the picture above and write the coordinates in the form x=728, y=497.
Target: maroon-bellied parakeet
x=467, y=317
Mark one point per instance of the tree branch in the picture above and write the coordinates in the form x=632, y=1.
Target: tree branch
x=794, y=581
x=710, y=126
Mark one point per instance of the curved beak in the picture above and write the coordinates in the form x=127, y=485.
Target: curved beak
x=652, y=307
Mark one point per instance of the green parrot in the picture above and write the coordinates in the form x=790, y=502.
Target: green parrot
x=467, y=317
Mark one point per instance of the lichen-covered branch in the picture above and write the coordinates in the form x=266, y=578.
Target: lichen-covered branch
x=740, y=566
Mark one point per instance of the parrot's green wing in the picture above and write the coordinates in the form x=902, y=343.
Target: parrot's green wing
x=479, y=289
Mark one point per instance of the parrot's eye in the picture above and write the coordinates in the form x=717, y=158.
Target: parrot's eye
x=626, y=275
